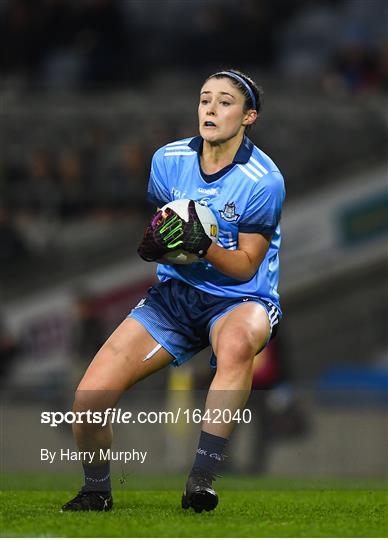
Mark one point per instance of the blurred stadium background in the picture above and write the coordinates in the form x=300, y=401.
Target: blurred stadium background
x=89, y=90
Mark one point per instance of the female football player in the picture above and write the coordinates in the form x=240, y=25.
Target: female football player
x=228, y=298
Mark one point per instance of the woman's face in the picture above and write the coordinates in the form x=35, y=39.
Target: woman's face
x=221, y=111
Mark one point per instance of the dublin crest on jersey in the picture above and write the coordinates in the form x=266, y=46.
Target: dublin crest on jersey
x=229, y=212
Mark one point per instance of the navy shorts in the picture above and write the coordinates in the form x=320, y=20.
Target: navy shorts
x=180, y=317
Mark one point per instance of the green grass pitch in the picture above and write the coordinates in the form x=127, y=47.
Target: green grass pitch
x=249, y=507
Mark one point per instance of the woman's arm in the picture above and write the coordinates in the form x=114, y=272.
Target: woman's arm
x=242, y=263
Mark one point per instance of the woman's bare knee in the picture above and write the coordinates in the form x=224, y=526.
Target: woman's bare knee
x=120, y=362
x=94, y=400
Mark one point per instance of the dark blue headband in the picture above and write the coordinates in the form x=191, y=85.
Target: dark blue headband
x=241, y=80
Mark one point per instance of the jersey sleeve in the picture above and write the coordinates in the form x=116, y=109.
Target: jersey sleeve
x=264, y=207
x=158, y=192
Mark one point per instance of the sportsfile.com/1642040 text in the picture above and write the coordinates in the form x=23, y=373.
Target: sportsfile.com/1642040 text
x=118, y=416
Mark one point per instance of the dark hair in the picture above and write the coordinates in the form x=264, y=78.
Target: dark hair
x=256, y=90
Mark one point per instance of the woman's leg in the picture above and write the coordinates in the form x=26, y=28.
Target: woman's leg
x=236, y=338
x=129, y=355
x=118, y=365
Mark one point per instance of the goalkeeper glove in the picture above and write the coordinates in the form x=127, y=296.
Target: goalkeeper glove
x=195, y=240
x=169, y=232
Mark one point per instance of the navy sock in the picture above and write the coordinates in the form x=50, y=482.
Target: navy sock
x=97, y=477
x=209, y=454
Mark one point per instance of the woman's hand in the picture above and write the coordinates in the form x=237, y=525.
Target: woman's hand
x=169, y=232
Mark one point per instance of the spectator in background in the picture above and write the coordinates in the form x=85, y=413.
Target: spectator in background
x=383, y=66
x=355, y=65
x=12, y=245
x=278, y=412
x=91, y=334
x=282, y=415
x=93, y=150
x=212, y=31
x=42, y=194
x=123, y=187
x=65, y=43
x=8, y=350
x=19, y=53
x=61, y=63
x=102, y=38
x=72, y=188
x=12, y=180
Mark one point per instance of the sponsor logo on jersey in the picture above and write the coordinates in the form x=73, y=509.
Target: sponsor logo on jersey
x=210, y=191
x=229, y=212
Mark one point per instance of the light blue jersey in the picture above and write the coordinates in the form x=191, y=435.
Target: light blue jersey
x=246, y=196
